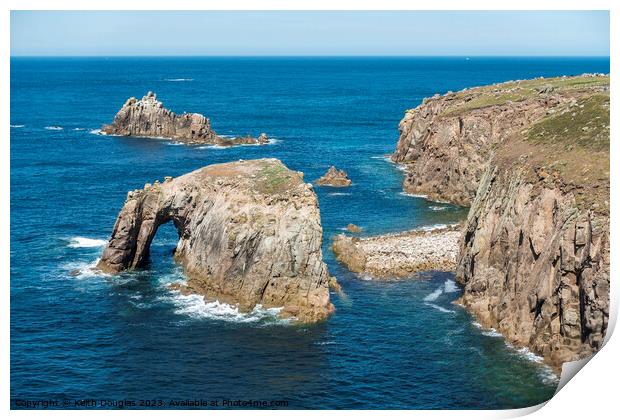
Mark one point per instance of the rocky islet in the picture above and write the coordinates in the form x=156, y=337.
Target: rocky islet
x=148, y=117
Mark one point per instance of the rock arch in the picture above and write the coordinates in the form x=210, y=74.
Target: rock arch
x=249, y=233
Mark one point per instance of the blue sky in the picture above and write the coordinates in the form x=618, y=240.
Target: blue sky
x=426, y=33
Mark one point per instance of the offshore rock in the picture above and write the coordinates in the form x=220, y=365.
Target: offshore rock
x=249, y=233
x=147, y=117
x=334, y=178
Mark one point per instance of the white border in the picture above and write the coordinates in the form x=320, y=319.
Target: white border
x=591, y=394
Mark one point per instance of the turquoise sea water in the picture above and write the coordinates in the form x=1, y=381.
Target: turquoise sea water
x=390, y=344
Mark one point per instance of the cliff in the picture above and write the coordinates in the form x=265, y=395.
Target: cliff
x=249, y=233
x=148, y=118
x=531, y=158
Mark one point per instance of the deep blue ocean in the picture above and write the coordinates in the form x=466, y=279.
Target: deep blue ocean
x=390, y=344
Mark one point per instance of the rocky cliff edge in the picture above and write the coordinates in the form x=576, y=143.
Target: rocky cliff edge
x=531, y=158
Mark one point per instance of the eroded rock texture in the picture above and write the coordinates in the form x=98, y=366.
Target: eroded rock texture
x=334, y=178
x=249, y=233
x=531, y=158
x=147, y=117
x=535, y=267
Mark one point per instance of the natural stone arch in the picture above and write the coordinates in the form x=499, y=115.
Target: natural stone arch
x=249, y=233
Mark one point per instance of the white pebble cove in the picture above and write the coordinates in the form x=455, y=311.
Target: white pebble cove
x=399, y=254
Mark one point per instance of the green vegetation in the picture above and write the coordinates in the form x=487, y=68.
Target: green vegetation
x=273, y=178
x=519, y=91
x=584, y=124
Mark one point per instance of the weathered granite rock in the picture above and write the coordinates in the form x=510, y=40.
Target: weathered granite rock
x=536, y=267
x=249, y=233
x=334, y=178
x=534, y=253
x=147, y=117
x=399, y=255
x=445, y=143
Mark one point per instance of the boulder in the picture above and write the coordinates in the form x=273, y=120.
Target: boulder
x=334, y=178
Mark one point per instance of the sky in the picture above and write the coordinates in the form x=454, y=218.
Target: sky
x=329, y=33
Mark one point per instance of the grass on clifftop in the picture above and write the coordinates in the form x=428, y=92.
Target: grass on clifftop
x=583, y=125
x=274, y=178
x=504, y=93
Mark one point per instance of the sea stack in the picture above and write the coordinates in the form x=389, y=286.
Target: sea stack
x=334, y=178
x=531, y=159
x=249, y=233
x=147, y=117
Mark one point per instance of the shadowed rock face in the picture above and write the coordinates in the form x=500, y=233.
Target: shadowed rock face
x=249, y=233
x=531, y=158
x=148, y=118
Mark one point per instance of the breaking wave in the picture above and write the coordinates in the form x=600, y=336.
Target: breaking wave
x=17, y=125
x=179, y=80
x=194, y=306
x=54, y=127
x=82, y=242
x=83, y=269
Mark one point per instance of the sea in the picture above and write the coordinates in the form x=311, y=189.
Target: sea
x=128, y=341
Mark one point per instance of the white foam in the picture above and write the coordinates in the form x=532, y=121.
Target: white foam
x=339, y=193
x=437, y=208
x=491, y=332
x=82, y=242
x=437, y=226
x=79, y=129
x=406, y=194
x=179, y=80
x=527, y=354
x=84, y=269
x=17, y=125
x=450, y=286
x=97, y=132
x=433, y=296
x=213, y=146
x=174, y=143
x=54, y=127
x=440, y=308
x=325, y=343
x=194, y=306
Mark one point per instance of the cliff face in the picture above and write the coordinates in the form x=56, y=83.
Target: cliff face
x=148, y=118
x=249, y=233
x=532, y=160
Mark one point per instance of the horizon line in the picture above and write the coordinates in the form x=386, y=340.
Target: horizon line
x=308, y=56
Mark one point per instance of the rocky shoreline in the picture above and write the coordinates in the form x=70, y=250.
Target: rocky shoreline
x=531, y=159
x=400, y=254
x=147, y=117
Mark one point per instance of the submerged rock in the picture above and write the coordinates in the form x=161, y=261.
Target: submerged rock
x=353, y=228
x=334, y=178
x=147, y=117
x=249, y=233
